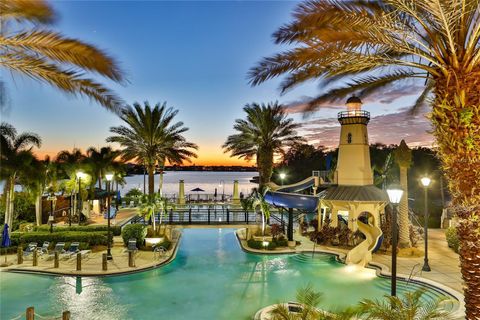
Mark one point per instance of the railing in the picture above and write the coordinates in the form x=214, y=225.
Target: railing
x=412, y=273
x=354, y=113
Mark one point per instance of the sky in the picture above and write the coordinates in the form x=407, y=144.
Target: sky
x=194, y=55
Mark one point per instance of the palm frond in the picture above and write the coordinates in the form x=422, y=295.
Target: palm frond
x=37, y=11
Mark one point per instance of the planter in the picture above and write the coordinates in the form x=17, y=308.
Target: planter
x=263, y=238
x=292, y=244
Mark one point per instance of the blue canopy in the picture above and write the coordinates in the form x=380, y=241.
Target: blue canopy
x=5, y=236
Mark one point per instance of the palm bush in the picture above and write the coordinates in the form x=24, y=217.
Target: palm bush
x=384, y=43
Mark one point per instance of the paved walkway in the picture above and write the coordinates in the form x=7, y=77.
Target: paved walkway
x=123, y=216
x=443, y=261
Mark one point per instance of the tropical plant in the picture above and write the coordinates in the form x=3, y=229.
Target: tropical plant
x=258, y=201
x=16, y=157
x=101, y=162
x=309, y=299
x=403, y=158
x=265, y=132
x=151, y=137
x=382, y=172
x=30, y=49
x=387, y=42
x=408, y=307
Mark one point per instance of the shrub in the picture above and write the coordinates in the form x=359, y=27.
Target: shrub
x=281, y=242
x=276, y=230
x=137, y=231
x=91, y=238
x=116, y=230
x=452, y=238
x=167, y=244
x=255, y=244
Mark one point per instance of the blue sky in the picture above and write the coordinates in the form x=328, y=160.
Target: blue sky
x=194, y=55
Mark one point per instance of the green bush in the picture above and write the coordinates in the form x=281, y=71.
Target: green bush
x=281, y=242
x=116, y=230
x=137, y=231
x=167, y=244
x=259, y=245
x=452, y=238
x=90, y=238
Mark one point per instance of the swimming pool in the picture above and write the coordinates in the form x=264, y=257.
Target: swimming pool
x=211, y=278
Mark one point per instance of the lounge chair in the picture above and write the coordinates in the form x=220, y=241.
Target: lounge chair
x=131, y=246
x=159, y=251
x=32, y=246
x=58, y=248
x=44, y=248
x=72, y=250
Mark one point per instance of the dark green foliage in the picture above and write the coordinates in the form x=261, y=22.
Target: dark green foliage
x=116, y=230
x=167, y=244
x=24, y=209
x=134, y=231
x=272, y=245
x=452, y=238
x=91, y=238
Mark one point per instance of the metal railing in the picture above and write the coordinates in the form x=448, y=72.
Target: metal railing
x=353, y=113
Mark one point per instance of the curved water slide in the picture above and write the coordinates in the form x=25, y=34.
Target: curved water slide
x=362, y=253
x=286, y=197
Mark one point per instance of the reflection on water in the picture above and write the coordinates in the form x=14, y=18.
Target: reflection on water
x=211, y=278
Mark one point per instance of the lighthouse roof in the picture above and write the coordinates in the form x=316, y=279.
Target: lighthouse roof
x=354, y=99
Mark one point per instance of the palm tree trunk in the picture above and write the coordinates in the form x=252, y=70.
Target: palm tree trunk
x=11, y=196
x=38, y=209
x=404, y=233
x=151, y=181
x=456, y=120
x=265, y=166
x=6, y=192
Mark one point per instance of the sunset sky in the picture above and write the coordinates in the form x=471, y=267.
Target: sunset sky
x=194, y=55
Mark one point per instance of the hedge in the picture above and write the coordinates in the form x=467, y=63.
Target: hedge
x=90, y=238
x=452, y=238
x=134, y=231
x=116, y=230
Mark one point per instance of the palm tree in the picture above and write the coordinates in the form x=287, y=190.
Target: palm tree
x=309, y=300
x=15, y=157
x=265, y=132
x=407, y=307
x=257, y=200
x=151, y=137
x=101, y=162
x=382, y=43
x=403, y=158
x=49, y=57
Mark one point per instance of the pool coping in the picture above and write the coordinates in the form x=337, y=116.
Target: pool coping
x=381, y=270
x=109, y=274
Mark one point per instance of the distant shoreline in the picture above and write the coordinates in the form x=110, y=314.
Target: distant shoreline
x=137, y=169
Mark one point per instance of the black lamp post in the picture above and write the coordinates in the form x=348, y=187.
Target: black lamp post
x=395, y=194
x=425, y=182
x=51, y=217
x=79, y=205
x=108, y=177
x=222, y=184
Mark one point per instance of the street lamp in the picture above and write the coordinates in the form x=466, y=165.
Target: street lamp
x=395, y=194
x=51, y=219
x=425, y=183
x=108, y=177
x=282, y=176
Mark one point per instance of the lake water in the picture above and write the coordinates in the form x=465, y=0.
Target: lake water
x=205, y=180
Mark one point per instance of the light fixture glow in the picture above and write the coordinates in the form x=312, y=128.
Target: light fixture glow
x=395, y=194
x=79, y=174
x=282, y=175
x=265, y=243
x=425, y=181
x=109, y=176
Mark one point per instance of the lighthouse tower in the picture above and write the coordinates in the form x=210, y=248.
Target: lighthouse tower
x=353, y=165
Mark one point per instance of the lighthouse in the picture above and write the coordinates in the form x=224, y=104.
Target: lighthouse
x=353, y=164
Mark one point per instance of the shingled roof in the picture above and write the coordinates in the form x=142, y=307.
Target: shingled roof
x=354, y=193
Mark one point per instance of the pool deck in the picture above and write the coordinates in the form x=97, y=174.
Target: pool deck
x=92, y=264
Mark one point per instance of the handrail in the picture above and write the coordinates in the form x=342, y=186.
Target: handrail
x=353, y=113
x=411, y=272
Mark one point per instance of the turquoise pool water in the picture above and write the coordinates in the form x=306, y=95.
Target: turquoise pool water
x=211, y=278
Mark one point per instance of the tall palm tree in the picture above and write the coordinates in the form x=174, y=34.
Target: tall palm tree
x=49, y=57
x=403, y=158
x=151, y=137
x=100, y=162
x=386, y=42
x=15, y=158
x=265, y=132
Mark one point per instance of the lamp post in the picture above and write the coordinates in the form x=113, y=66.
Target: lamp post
x=425, y=183
x=222, y=184
x=51, y=218
x=108, y=177
x=282, y=176
x=79, y=175
x=395, y=194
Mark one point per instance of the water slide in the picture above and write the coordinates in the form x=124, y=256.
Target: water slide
x=362, y=253
x=286, y=196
